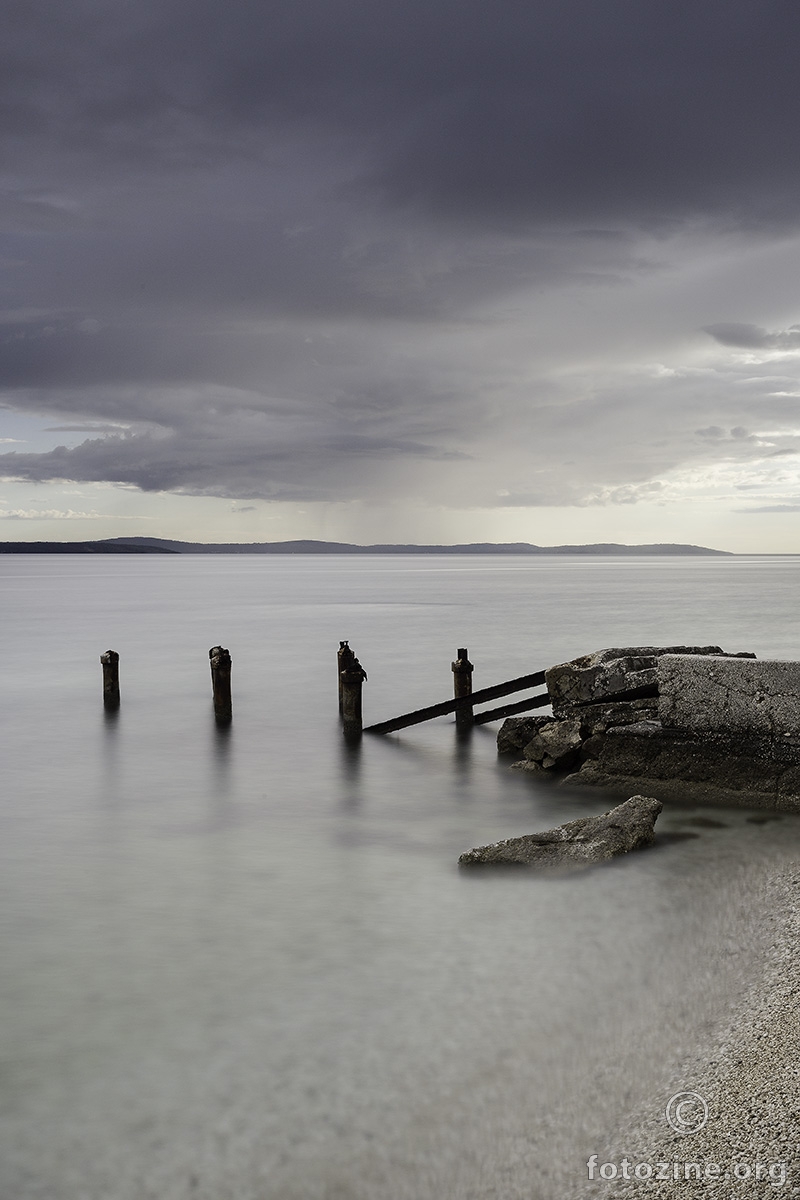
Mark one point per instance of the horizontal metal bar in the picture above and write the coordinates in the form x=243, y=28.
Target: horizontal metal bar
x=450, y=706
x=508, y=710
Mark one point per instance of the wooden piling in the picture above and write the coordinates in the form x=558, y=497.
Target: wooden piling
x=352, y=679
x=462, y=686
x=344, y=660
x=221, y=683
x=110, y=661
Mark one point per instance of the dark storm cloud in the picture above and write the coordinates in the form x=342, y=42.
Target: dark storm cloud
x=751, y=337
x=627, y=109
x=235, y=230
x=250, y=460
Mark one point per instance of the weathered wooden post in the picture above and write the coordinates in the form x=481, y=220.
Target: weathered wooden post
x=110, y=661
x=352, y=678
x=462, y=686
x=221, y=683
x=344, y=659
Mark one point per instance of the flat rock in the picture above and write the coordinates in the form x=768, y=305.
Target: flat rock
x=629, y=826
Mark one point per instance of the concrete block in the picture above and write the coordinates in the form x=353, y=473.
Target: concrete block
x=706, y=694
x=606, y=674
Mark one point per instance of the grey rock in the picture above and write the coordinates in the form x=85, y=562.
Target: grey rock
x=629, y=826
x=549, y=744
x=727, y=768
x=556, y=745
x=613, y=672
x=515, y=733
x=725, y=695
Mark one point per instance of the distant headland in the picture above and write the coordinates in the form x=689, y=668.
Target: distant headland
x=151, y=545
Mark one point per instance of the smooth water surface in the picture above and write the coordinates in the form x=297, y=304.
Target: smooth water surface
x=244, y=965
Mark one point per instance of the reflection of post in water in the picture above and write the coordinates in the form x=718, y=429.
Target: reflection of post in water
x=350, y=761
x=222, y=740
x=111, y=720
x=110, y=742
x=110, y=778
x=463, y=752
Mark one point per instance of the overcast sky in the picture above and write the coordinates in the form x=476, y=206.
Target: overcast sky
x=431, y=270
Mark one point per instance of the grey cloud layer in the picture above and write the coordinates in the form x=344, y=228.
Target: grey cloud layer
x=300, y=250
x=630, y=107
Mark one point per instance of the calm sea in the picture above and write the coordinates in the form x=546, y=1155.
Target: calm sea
x=245, y=966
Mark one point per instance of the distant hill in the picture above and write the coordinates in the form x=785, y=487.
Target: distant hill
x=149, y=545
x=111, y=546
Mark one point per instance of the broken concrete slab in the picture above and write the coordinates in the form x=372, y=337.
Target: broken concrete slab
x=615, y=672
x=597, y=718
x=716, y=728
x=729, y=695
x=629, y=826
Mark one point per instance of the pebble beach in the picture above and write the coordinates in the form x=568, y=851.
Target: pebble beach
x=738, y=1132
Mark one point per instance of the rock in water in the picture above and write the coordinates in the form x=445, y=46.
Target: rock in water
x=557, y=745
x=629, y=826
x=515, y=732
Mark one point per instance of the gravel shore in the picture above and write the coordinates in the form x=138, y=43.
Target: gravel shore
x=745, y=1088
